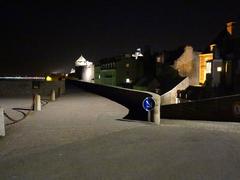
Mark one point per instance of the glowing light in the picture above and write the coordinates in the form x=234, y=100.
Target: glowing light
x=230, y=27
x=212, y=47
x=209, y=68
x=48, y=78
x=219, y=69
x=137, y=54
x=72, y=71
x=128, y=80
x=226, y=67
x=158, y=59
x=23, y=78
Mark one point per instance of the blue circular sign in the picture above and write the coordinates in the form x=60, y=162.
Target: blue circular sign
x=148, y=104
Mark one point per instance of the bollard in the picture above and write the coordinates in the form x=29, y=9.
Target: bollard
x=2, y=123
x=37, y=103
x=53, y=95
x=152, y=106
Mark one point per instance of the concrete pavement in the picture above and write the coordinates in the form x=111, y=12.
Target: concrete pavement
x=79, y=137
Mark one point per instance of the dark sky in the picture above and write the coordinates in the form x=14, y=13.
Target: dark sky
x=47, y=37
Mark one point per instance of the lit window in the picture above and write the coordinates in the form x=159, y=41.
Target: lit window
x=219, y=69
x=226, y=67
x=212, y=46
x=208, y=68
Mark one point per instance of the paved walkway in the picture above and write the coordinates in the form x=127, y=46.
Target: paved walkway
x=79, y=137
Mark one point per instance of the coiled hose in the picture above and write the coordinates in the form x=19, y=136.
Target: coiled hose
x=24, y=111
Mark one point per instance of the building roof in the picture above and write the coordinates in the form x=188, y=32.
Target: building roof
x=114, y=59
x=225, y=40
x=81, y=61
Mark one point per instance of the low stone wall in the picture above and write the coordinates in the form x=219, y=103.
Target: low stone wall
x=15, y=87
x=11, y=88
x=170, y=96
x=215, y=109
x=47, y=87
x=131, y=99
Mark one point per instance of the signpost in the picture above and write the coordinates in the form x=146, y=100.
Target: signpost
x=148, y=104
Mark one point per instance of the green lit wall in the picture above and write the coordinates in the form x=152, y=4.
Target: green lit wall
x=125, y=67
x=97, y=74
x=108, y=76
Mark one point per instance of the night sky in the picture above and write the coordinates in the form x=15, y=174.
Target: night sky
x=49, y=37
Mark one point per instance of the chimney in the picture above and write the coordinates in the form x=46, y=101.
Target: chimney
x=230, y=27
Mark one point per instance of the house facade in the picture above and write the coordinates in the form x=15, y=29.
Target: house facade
x=220, y=62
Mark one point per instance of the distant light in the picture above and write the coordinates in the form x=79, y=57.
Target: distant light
x=209, y=68
x=99, y=76
x=72, y=71
x=48, y=78
x=158, y=59
x=137, y=54
x=212, y=46
x=66, y=75
x=23, y=78
x=128, y=80
x=226, y=67
x=219, y=69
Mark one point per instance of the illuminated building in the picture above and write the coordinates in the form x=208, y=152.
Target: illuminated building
x=123, y=70
x=143, y=73
x=203, y=59
x=223, y=58
x=84, y=69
